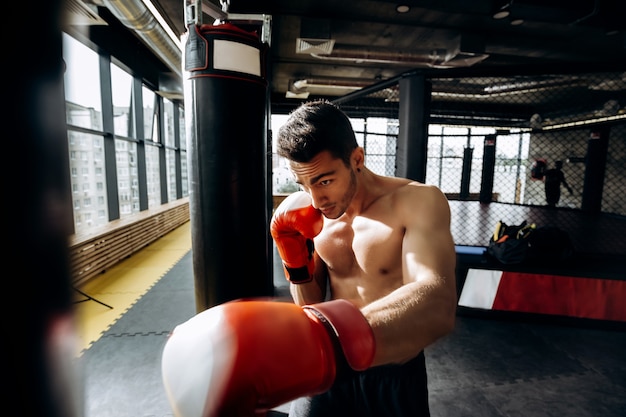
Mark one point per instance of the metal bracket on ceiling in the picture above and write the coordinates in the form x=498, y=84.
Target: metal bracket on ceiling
x=194, y=9
x=264, y=21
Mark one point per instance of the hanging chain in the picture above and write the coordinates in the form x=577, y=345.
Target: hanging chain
x=225, y=4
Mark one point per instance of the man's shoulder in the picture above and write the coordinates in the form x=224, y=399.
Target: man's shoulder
x=415, y=187
x=414, y=193
x=421, y=205
x=405, y=190
x=398, y=184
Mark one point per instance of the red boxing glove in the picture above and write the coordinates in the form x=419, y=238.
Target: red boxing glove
x=243, y=358
x=294, y=225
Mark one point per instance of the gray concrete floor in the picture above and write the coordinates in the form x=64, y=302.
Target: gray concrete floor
x=486, y=368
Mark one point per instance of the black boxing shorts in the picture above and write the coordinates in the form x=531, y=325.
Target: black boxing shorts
x=387, y=390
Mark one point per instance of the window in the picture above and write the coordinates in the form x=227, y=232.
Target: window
x=168, y=122
x=88, y=182
x=150, y=118
x=152, y=175
x=170, y=166
x=181, y=125
x=509, y=179
x=122, y=87
x=131, y=124
x=82, y=85
x=127, y=173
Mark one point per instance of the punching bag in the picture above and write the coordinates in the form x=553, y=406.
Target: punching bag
x=226, y=129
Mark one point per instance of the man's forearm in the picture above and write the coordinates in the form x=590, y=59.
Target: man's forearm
x=409, y=319
x=308, y=293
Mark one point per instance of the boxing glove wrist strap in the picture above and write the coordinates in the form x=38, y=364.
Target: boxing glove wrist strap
x=298, y=275
x=342, y=368
x=350, y=328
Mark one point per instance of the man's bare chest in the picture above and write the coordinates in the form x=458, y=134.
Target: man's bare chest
x=363, y=247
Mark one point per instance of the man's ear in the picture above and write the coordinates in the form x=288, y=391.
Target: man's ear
x=358, y=157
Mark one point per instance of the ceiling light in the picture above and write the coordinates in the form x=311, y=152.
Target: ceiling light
x=301, y=96
x=586, y=122
x=501, y=14
x=163, y=23
x=517, y=22
x=503, y=11
x=402, y=8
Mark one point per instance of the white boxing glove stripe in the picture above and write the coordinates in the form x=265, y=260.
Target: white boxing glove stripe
x=196, y=365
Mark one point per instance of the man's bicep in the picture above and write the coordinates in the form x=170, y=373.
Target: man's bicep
x=428, y=244
x=428, y=254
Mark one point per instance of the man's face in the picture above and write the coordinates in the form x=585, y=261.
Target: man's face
x=329, y=182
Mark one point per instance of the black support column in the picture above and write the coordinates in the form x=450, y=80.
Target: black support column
x=489, y=165
x=415, y=92
x=108, y=126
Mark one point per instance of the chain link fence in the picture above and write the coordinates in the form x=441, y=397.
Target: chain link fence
x=550, y=148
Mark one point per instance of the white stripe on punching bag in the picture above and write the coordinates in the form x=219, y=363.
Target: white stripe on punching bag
x=233, y=56
x=480, y=288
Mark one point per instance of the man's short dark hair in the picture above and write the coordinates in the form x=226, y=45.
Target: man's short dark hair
x=314, y=127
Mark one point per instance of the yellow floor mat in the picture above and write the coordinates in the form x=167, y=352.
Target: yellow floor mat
x=125, y=283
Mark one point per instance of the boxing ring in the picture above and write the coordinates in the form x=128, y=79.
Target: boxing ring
x=590, y=286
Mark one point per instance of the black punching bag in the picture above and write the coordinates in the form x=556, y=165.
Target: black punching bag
x=226, y=128
x=595, y=166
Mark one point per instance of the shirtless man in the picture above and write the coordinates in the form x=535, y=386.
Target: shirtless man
x=371, y=264
x=386, y=247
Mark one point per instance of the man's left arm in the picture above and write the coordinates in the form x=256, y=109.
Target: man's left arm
x=423, y=310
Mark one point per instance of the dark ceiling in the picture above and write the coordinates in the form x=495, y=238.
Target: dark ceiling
x=375, y=42
x=354, y=44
